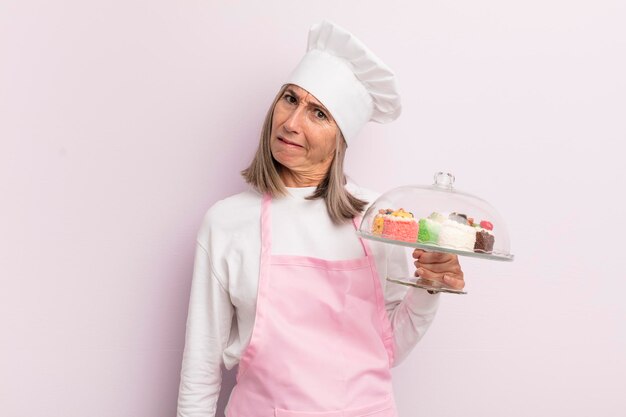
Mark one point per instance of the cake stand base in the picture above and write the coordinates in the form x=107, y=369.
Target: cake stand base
x=426, y=284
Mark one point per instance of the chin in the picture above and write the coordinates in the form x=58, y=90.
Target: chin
x=288, y=163
x=278, y=156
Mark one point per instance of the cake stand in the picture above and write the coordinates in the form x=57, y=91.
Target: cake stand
x=437, y=218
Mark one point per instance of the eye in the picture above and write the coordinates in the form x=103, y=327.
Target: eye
x=290, y=99
x=320, y=114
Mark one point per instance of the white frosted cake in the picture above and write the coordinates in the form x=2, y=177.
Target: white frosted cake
x=456, y=235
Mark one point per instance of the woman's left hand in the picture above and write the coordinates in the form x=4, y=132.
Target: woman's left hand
x=440, y=267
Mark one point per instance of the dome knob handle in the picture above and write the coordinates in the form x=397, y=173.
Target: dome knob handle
x=444, y=179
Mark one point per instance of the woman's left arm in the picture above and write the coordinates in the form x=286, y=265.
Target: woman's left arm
x=411, y=310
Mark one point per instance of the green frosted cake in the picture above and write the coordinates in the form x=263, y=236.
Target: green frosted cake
x=428, y=231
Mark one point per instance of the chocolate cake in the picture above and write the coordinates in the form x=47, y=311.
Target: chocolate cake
x=484, y=241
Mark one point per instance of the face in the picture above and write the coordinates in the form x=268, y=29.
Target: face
x=303, y=136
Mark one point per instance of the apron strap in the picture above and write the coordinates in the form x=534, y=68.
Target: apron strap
x=266, y=226
x=366, y=247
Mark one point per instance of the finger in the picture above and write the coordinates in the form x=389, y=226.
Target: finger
x=455, y=282
x=446, y=267
x=436, y=257
x=418, y=252
x=429, y=275
x=452, y=261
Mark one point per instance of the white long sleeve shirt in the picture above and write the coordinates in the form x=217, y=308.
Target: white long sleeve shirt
x=225, y=281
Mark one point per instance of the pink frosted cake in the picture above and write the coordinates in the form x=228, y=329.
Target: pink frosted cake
x=396, y=225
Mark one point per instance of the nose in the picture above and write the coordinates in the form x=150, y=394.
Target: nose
x=294, y=121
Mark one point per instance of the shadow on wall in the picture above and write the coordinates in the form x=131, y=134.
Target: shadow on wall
x=228, y=382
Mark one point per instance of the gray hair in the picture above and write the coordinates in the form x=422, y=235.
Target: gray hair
x=262, y=174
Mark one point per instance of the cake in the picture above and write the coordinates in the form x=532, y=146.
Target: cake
x=484, y=237
x=379, y=221
x=457, y=233
x=397, y=225
x=428, y=231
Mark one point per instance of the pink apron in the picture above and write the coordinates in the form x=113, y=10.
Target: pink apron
x=322, y=345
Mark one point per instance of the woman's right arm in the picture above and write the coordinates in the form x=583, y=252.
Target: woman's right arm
x=208, y=327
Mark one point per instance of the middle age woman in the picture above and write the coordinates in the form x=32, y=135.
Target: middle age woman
x=282, y=285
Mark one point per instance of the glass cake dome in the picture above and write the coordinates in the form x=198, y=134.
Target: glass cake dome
x=437, y=218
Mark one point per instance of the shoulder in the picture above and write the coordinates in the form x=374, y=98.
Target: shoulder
x=379, y=249
x=362, y=193
x=231, y=215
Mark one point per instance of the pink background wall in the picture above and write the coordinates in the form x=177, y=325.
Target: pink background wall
x=121, y=122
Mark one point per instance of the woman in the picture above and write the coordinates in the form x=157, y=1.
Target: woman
x=282, y=285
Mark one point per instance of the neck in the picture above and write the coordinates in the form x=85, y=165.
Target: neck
x=300, y=179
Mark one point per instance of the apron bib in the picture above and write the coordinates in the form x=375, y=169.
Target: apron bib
x=322, y=344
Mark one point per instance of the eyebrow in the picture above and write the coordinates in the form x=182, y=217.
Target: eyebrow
x=293, y=93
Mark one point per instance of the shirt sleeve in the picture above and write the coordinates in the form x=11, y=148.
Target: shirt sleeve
x=410, y=310
x=209, y=320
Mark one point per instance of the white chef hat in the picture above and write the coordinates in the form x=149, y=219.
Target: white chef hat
x=347, y=78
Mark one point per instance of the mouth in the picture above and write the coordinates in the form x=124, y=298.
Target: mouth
x=288, y=143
